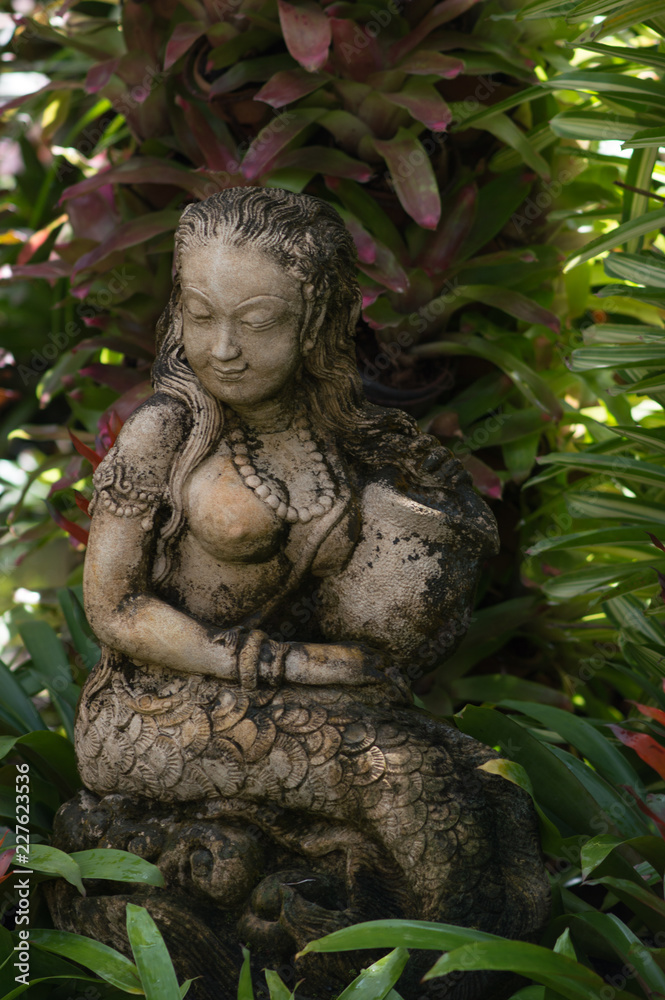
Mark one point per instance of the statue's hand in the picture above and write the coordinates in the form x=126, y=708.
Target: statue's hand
x=441, y=463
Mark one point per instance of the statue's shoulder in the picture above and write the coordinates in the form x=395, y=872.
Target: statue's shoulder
x=147, y=443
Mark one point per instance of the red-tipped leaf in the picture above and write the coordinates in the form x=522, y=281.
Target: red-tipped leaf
x=424, y=103
x=182, y=39
x=289, y=85
x=413, y=177
x=100, y=74
x=275, y=137
x=357, y=52
x=130, y=234
x=440, y=250
x=646, y=748
x=307, y=33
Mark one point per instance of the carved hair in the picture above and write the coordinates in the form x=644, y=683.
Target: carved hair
x=308, y=238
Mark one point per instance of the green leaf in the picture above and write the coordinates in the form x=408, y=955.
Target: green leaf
x=560, y=792
x=596, y=849
x=625, y=16
x=49, y=659
x=473, y=120
x=646, y=138
x=508, y=769
x=617, y=356
x=80, y=631
x=376, y=982
x=646, y=93
x=627, y=614
x=245, y=991
x=153, y=962
x=646, y=904
x=51, y=861
x=120, y=866
x=604, y=505
x=631, y=469
x=605, y=757
x=498, y=687
x=588, y=539
x=638, y=268
x=580, y=124
x=16, y=708
x=623, y=333
x=536, y=390
x=278, y=991
x=105, y=962
x=397, y=934
x=558, y=972
x=504, y=128
x=627, y=946
x=617, y=237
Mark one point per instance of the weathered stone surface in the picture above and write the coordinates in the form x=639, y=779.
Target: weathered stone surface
x=271, y=561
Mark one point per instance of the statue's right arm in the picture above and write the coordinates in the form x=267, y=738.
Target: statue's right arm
x=123, y=611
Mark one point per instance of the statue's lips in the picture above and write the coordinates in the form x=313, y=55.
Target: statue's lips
x=229, y=374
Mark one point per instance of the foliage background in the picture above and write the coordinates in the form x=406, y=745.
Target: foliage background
x=485, y=156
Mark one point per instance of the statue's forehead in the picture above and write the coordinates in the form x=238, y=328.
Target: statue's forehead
x=217, y=268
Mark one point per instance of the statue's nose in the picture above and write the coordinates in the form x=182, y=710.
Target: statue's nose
x=226, y=346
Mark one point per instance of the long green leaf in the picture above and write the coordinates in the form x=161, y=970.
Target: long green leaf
x=623, y=333
x=504, y=128
x=605, y=757
x=558, y=790
x=628, y=947
x=596, y=849
x=627, y=15
x=649, y=222
x=535, y=388
x=17, y=708
x=120, y=866
x=632, y=469
x=51, y=861
x=645, y=92
x=153, y=962
x=245, y=990
x=646, y=138
x=278, y=991
x=579, y=124
x=376, y=982
x=642, y=270
x=106, y=962
x=558, y=972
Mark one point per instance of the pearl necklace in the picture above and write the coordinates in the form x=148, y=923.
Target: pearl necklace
x=325, y=485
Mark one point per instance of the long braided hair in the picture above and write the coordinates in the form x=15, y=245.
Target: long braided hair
x=308, y=238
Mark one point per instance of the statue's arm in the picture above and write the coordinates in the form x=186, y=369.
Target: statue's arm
x=123, y=612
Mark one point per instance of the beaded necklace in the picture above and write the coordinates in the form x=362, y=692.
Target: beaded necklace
x=247, y=469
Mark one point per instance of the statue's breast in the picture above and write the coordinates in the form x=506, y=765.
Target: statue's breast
x=226, y=518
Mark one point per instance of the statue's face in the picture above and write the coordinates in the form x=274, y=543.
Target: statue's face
x=241, y=319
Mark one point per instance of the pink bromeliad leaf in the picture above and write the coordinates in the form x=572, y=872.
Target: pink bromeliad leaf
x=441, y=248
x=307, y=33
x=130, y=234
x=441, y=14
x=424, y=103
x=413, y=177
x=357, y=51
x=275, y=137
x=182, y=39
x=100, y=74
x=289, y=85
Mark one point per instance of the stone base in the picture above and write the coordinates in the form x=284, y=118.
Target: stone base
x=229, y=884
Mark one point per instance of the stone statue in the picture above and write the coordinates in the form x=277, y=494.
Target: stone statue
x=271, y=560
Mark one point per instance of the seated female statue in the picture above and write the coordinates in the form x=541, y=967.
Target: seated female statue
x=271, y=560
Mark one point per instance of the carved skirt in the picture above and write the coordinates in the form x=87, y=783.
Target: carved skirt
x=407, y=781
